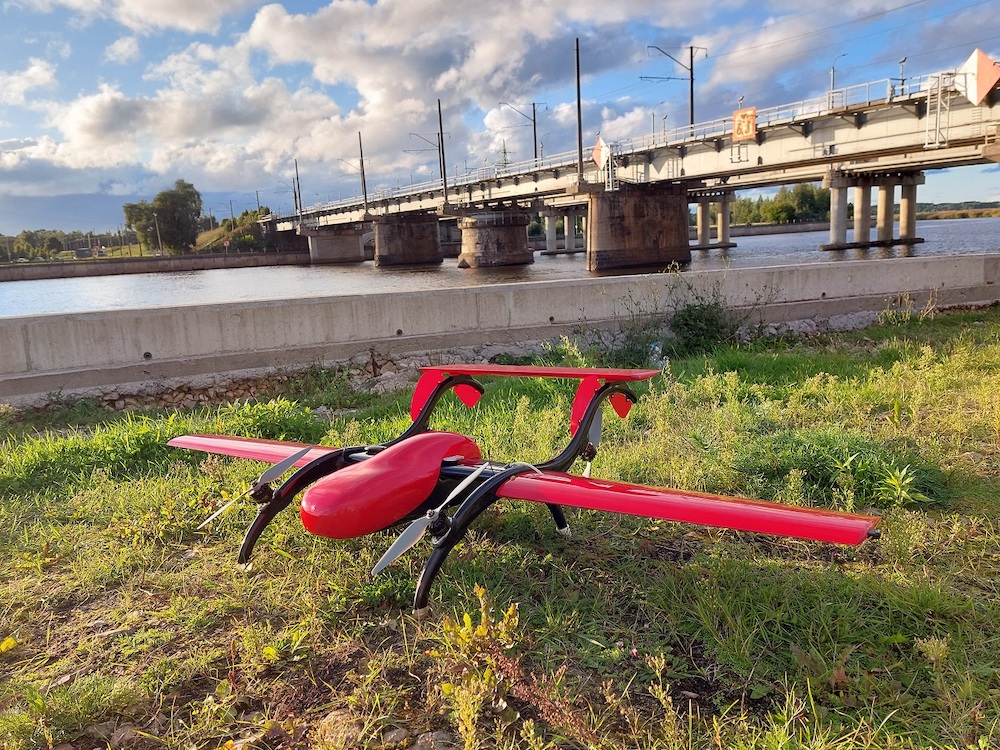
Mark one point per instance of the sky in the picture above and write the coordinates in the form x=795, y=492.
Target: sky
x=104, y=102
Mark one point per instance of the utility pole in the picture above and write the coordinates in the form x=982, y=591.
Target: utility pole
x=297, y=193
x=444, y=171
x=534, y=123
x=689, y=68
x=364, y=184
x=579, y=118
x=159, y=241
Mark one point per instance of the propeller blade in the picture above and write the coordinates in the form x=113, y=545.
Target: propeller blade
x=270, y=475
x=281, y=467
x=219, y=512
x=465, y=483
x=410, y=536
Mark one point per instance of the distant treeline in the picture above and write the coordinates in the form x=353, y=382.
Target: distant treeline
x=965, y=206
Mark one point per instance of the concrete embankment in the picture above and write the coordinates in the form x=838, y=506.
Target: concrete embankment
x=74, y=354
x=167, y=264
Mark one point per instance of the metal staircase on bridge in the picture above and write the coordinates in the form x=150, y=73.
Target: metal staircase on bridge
x=939, y=96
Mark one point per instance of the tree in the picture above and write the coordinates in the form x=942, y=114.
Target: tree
x=171, y=219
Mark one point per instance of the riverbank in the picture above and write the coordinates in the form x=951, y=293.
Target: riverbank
x=162, y=347
x=163, y=264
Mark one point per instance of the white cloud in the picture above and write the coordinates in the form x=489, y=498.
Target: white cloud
x=192, y=16
x=15, y=86
x=144, y=16
x=122, y=50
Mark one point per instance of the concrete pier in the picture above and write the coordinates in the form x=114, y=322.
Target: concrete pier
x=637, y=225
x=703, y=223
x=838, y=183
x=407, y=239
x=495, y=238
x=340, y=243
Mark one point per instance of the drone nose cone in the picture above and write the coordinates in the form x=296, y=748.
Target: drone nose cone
x=379, y=491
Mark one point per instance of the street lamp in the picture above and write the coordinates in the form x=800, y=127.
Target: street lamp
x=833, y=71
x=689, y=68
x=541, y=145
x=534, y=123
x=902, y=77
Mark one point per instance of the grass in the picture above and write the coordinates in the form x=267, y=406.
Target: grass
x=122, y=625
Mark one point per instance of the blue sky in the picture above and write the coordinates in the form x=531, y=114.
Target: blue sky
x=108, y=101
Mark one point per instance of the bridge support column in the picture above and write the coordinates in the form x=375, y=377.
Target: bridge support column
x=637, y=225
x=862, y=214
x=495, y=238
x=340, y=243
x=908, y=208
x=722, y=221
x=407, y=239
x=569, y=231
x=703, y=220
x=550, y=233
x=703, y=224
x=884, y=214
x=837, y=183
x=838, y=215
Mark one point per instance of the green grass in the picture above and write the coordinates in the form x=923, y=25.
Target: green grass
x=117, y=615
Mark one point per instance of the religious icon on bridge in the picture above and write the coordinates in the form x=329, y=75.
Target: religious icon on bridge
x=745, y=124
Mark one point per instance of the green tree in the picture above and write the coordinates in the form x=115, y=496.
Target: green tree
x=171, y=218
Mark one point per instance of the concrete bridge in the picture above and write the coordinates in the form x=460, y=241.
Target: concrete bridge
x=633, y=195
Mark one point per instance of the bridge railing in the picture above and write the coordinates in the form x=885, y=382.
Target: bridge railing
x=887, y=89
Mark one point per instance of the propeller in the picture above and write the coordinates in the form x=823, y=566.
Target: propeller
x=272, y=473
x=594, y=436
x=412, y=533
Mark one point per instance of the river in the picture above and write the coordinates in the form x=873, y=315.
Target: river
x=946, y=237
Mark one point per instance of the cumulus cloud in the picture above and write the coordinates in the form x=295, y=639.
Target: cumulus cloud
x=123, y=50
x=144, y=16
x=15, y=86
x=301, y=85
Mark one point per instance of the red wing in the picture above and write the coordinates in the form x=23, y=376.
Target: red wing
x=271, y=451
x=690, y=507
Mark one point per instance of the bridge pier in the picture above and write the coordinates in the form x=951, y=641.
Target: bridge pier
x=550, y=233
x=703, y=220
x=339, y=243
x=884, y=215
x=569, y=230
x=407, y=239
x=908, y=208
x=637, y=225
x=495, y=238
x=863, y=213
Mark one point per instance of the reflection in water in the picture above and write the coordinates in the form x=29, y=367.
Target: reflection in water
x=299, y=282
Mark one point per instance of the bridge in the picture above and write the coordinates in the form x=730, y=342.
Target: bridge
x=634, y=194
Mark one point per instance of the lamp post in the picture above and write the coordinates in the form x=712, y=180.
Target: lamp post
x=159, y=241
x=689, y=68
x=541, y=145
x=534, y=123
x=902, y=76
x=833, y=71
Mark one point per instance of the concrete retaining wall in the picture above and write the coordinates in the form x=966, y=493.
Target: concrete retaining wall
x=166, y=264
x=71, y=353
